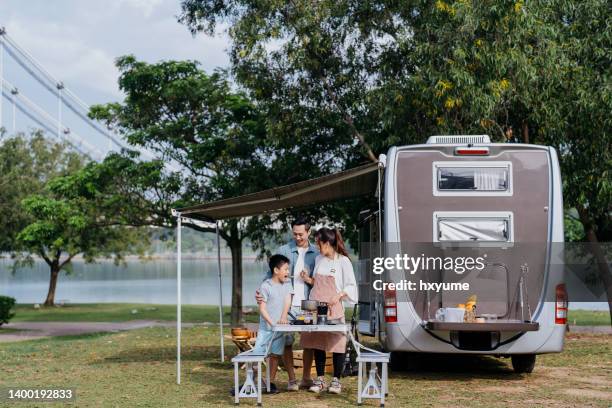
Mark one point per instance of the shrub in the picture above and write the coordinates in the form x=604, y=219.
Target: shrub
x=6, y=309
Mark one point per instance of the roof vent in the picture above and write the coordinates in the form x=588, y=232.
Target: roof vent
x=458, y=139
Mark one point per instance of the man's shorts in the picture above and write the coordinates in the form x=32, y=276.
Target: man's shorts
x=280, y=341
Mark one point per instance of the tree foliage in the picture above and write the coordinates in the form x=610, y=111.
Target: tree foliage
x=394, y=72
x=217, y=137
x=74, y=219
x=27, y=163
x=536, y=72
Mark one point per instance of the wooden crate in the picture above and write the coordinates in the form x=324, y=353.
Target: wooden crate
x=298, y=363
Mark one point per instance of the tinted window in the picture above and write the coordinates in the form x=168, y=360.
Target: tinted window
x=473, y=178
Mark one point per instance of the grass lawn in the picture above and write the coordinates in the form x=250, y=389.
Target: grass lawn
x=120, y=312
x=589, y=317
x=137, y=369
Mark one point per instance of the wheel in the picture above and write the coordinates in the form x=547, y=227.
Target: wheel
x=523, y=363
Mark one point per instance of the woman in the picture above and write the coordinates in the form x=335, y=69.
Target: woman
x=333, y=281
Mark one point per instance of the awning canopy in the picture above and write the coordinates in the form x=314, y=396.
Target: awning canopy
x=346, y=184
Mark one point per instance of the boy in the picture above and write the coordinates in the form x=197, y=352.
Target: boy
x=276, y=293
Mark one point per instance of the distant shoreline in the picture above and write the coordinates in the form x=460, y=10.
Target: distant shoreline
x=149, y=258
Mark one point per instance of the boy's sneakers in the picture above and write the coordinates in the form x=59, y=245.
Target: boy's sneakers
x=318, y=385
x=335, y=387
x=293, y=386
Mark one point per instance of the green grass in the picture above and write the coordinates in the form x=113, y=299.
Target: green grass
x=119, y=312
x=589, y=317
x=137, y=369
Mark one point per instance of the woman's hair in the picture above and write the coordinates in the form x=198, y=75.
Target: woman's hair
x=333, y=237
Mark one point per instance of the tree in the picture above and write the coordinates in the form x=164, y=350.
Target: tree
x=584, y=137
x=536, y=72
x=217, y=136
x=26, y=165
x=308, y=66
x=74, y=219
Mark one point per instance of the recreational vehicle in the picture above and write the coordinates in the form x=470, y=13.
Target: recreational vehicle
x=464, y=195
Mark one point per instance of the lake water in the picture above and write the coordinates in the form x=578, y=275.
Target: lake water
x=138, y=282
x=144, y=282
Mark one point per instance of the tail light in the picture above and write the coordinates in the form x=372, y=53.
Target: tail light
x=390, y=306
x=561, y=305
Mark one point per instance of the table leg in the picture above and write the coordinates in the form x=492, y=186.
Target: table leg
x=383, y=386
x=359, y=382
x=236, y=384
x=259, y=383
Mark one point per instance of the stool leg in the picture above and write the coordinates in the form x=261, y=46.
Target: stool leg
x=236, y=385
x=359, y=382
x=259, y=383
x=386, y=378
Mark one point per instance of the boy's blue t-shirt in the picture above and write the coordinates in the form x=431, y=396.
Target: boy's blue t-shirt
x=274, y=295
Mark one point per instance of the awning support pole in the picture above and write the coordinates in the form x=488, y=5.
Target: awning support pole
x=178, y=297
x=220, y=293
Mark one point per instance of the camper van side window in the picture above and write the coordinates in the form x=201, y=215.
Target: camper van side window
x=467, y=178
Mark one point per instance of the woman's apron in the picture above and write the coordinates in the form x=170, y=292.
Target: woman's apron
x=323, y=290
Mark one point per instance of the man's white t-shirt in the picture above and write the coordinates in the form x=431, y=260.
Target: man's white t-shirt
x=298, y=283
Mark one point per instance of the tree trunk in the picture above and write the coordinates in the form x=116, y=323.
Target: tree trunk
x=55, y=270
x=525, y=132
x=600, y=258
x=236, y=248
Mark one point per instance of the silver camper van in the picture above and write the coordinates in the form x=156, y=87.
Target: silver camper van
x=463, y=193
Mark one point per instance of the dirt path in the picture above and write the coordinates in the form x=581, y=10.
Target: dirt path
x=21, y=331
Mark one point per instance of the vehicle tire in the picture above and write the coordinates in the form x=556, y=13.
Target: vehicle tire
x=523, y=363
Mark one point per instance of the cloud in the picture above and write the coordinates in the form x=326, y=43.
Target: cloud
x=66, y=56
x=78, y=42
x=147, y=7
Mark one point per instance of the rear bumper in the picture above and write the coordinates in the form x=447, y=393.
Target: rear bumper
x=414, y=338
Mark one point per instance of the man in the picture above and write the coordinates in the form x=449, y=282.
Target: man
x=301, y=254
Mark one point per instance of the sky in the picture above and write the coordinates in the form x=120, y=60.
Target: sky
x=78, y=41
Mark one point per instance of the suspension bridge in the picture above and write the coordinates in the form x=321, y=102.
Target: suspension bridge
x=55, y=124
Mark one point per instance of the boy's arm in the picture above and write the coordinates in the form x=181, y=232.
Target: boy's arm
x=263, y=310
x=286, y=306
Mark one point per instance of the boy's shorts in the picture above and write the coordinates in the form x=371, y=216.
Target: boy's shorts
x=280, y=341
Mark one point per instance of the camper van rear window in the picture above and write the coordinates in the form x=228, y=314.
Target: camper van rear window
x=467, y=226
x=469, y=178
